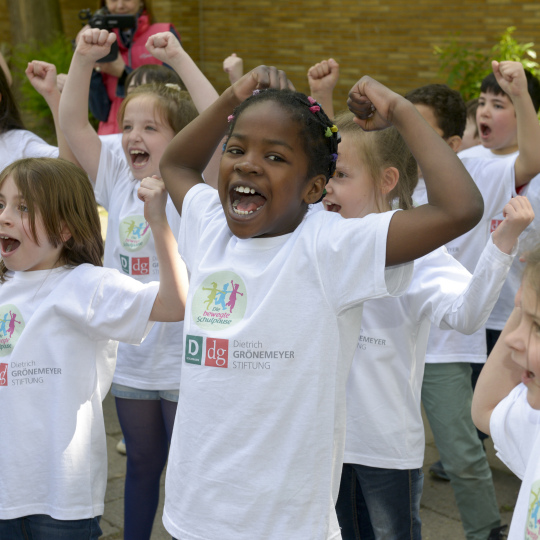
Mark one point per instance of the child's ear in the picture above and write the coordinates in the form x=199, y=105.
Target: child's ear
x=315, y=189
x=454, y=142
x=390, y=178
x=65, y=233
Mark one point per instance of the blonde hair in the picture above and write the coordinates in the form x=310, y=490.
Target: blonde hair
x=531, y=273
x=62, y=195
x=174, y=105
x=379, y=150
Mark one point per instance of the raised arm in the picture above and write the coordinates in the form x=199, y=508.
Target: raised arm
x=454, y=203
x=188, y=153
x=233, y=66
x=166, y=47
x=92, y=45
x=471, y=309
x=42, y=77
x=170, y=302
x=322, y=79
x=511, y=78
x=498, y=378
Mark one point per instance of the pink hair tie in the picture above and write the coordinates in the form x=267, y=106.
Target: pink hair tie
x=315, y=109
x=230, y=118
x=311, y=100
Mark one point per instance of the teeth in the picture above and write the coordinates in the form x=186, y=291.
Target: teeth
x=137, y=152
x=243, y=212
x=235, y=203
x=245, y=189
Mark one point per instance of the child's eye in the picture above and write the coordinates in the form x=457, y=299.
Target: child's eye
x=340, y=174
x=126, y=127
x=273, y=157
x=234, y=151
x=150, y=128
x=23, y=207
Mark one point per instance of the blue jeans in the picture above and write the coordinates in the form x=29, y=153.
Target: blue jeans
x=379, y=504
x=43, y=527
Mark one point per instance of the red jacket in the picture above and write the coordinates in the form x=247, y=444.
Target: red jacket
x=134, y=56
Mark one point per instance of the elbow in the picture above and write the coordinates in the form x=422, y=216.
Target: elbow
x=470, y=214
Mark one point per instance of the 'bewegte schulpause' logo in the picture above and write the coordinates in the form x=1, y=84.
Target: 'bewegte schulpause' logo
x=219, y=302
x=11, y=327
x=134, y=233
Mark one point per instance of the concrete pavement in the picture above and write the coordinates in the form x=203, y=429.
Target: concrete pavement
x=439, y=513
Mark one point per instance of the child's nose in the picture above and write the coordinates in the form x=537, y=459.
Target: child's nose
x=247, y=166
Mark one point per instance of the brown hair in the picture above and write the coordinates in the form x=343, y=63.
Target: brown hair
x=175, y=105
x=531, y=274
x=379, y=150
x=63, y=196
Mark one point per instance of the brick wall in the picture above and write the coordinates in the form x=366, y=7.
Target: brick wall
x=391, y=40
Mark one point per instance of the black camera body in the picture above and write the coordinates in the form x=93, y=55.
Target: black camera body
x=104, y=20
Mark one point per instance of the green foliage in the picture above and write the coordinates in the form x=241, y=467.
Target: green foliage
x=465, y=66
x=58, y=52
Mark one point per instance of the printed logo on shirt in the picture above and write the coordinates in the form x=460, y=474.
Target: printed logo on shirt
x=3, y=375
x=134, y=233
x=135, y=266
x=11, y=327
x=532, y=527
x=494, y=224
x=219, y=302
x=243, y=354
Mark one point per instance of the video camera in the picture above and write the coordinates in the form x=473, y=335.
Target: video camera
x=104, y=20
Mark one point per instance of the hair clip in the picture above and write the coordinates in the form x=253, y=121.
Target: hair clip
x=334, y=157
x=328, y=132
x=334, y=128
x=230, y=118
x=173, y=86
x=312, y=101
x=255, y=92
x=314, y=109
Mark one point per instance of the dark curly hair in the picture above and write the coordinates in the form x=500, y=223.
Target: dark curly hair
x=320, y=149
x=490, y=84
x=447, y=106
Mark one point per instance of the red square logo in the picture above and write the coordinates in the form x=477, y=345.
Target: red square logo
x=3, y=375
x=140, y=266
x=494, y=224
x=217, y=352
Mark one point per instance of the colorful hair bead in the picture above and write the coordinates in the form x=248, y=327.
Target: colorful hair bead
x=255, y=92
x=334, y=128
x=314, y=109
x=311, y=100
x=334, y=157
x=230, y=118
x=328, y=132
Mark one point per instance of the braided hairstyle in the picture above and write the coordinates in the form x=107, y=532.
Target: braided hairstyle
x=318, y=132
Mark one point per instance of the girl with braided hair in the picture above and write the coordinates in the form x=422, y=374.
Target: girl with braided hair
x=258, y=441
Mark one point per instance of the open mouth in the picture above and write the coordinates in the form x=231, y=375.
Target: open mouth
x=139, y=158
x=245, y=200
x=331, y=207
x=485, y=130
x=8, y=244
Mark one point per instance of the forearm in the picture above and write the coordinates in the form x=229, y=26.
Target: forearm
x=53, y=101
x=528, y=162
x=173, y=283
x=471, y=309
x=498, y=378
x=190, y=151
x=199, y=87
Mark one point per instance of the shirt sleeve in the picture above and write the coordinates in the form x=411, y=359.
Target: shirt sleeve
x=514, y=427
x=351, y=259
x=467, y=311
x=36, y=147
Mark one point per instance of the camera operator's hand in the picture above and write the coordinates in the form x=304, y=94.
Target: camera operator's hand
x=94, y=44
x=114, y=68
x=165, y=47
x=42, y=77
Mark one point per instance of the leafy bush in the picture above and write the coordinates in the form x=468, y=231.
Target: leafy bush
x=465, y=66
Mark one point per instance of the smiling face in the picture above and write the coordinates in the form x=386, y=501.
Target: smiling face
x=497, y=124
x=20, y=251
x=145, y=135
x=124, y=7
x=525, y=342
x=263, y=184
x=351, y=191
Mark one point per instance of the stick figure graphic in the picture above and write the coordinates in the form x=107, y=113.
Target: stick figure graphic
x=220, y=298
x=232, y=299
x=3, y=323
x=213, y=292
x=12, y=322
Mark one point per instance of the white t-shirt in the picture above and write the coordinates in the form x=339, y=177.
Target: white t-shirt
x=496, y=181
x=129, y=247
x=480, y=151
x=515, y=429
x=384, y=420
x=113, y=141
x=19, y=143
x=270, y=331
x=56, y=365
